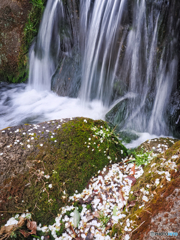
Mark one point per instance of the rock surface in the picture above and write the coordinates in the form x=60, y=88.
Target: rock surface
x=41, y=164
x=16, y=143
x=160, y=215
x=12, y=22
x=32, y=181
x=152, y=202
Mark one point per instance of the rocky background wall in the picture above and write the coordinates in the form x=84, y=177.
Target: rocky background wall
x=19, y=22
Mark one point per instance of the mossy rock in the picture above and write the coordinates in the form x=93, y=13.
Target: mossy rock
x=144, y=215
x=65, y=163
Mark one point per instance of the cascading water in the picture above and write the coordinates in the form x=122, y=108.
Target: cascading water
x=46, y=50
x=129, y=65
x=34, y=102
x=122, y=58
x=100, y=27
x=152, y=73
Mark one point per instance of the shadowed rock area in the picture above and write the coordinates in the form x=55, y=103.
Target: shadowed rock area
x=13, y=17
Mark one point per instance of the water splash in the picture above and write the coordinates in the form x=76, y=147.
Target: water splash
x=20, y=104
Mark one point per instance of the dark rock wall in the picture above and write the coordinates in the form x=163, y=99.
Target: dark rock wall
x=13, y=17
x=67, y=79
x=173, y=110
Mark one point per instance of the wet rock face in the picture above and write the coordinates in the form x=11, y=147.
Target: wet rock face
x=13, y=16
x=67, y=79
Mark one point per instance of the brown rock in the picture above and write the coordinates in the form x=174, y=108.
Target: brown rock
x=13, y=17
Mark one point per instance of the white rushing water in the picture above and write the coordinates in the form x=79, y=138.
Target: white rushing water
x=45, y=51
x=100, y=28
x=36, y=102
x=120, y=62
x=123, y=53
x=20, y=104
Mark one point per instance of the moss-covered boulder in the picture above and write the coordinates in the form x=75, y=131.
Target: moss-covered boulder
x=59, y=164
x=56, y=171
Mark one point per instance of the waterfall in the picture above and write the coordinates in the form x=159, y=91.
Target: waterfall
x=153, y=74
x=122, y=56
x=127, y=62
x=45, y=52
x=100, y=27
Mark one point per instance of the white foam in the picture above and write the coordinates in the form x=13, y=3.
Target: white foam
x=143, y=137
x=18, y=106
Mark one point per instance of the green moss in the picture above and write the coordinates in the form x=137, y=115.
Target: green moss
x=173, y=150
x=69, y=162
x=29, y=32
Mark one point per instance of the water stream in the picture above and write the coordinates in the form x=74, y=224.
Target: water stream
x=100, y=48
x=123, y=53
x=44, y=53
x=122, y=64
